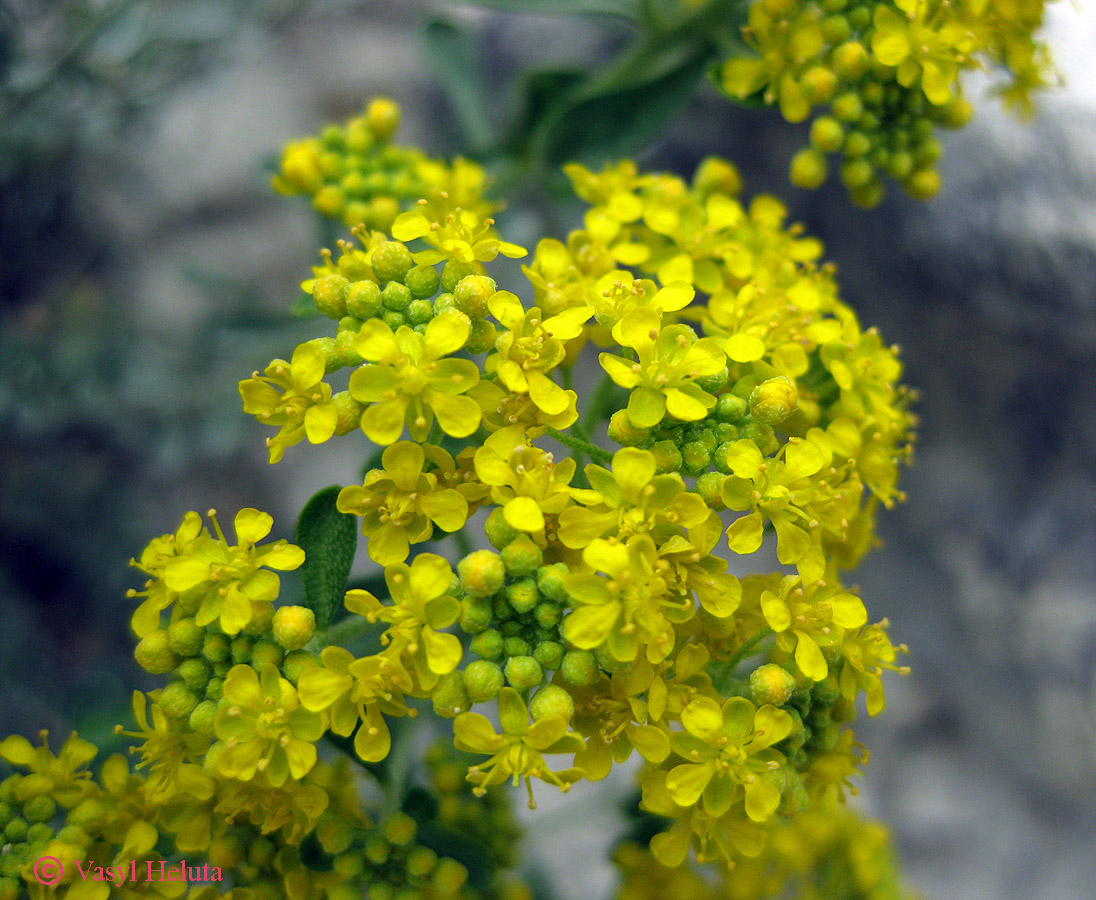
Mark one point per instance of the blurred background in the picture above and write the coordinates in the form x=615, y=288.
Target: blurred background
x=146, y=267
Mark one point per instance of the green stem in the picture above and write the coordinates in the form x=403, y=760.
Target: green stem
x=599, y=402
x=594, y=452
x=748, y=648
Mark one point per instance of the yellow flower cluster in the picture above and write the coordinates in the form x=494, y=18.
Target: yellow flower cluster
x=749, y=402
x=889, y=72
x=354, y=173
x=750, y=409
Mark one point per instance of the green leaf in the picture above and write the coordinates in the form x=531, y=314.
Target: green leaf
x=454, y=58
x=329, y=539
x=620, y=119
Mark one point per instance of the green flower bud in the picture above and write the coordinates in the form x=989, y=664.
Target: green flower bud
x=623, y=432
x=391, y=261
x=454, y=272
x=523, y=672
x=922, y=184
x=178, y=700
x=860, y=17
x=549, y=654
x=419, y=312
x=667, y=456
x=297, y=663
x=836, y=29
x=695, y=457
x=550, y=581
x=475, y=615
x=393, y=319
x=449, y=876
x=515, y=645
x=483, y=680
x=522, y=556
x=266, y=651
x=216, y=647
x=202, y=716
x=399, y=829
x=856, y=173
x=482, y=573
x=329, y=294
x=899, y=164
x=827, y=134
x=40, y=809
x=523, y=595
x=214, y=689
x=363, y=300
x=294, y=626
x=377, y=850
x=547, y=615
x=482, y=336
x=423, y=282
x=850, y=60
x=579, y=668
x=185, y=637
x=396, y=297
x=808, y=169
x=344, y=352
x=848, y=107
x=39, y=833
x=774, y=400
x=869, y=195
x=499, y=532
x=450, y=696
x=771, y=683
x=443, y=302
x=715, y=175
x=154, y=653
x=472, y=293
x=329, y=201
x=762, y=435
x=195, y=673
x=857, y=144
x=819, y=85
x=551, y=700
x=16, y=830
x=709, y=487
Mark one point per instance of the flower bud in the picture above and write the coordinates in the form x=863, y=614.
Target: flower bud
x=579, y=668
x=483, y=680
x=450, y=696
x=363, y=299
x=383, y=118
x=154, y=653
x=624, y=432
x=472, y=293
x=522, y=557
x=391, y=261
x=771, y=683
x=186, y=637
x=329, y=294
x=523, y=672
x=715, y=175
x=482, y=573
x=808, y=169
x=551, y=700
x=294, y=626
x=178, y=700
x=774, y=400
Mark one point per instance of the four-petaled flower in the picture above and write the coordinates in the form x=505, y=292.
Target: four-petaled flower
x=412, y=381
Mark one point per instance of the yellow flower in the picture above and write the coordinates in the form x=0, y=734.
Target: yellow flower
x=171, y=754
x=421, y=607
x=632, y=611
x=812, y=617
x=729, y=748
x=866, y=653
x=669, y=361
x=517, y=752
x=154, y=559
x=358, y=690
x=526, y=481
x=293, y=396
x=263, y=729
x=632, y=499
x=400, y=504
x=62, y=776
x=458, y=234
x=411, y=380
x=927, y=42
x=221, y=581
x=532, y=347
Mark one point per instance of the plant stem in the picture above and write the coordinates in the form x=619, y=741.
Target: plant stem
x=748, y=648
x=591, y=450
